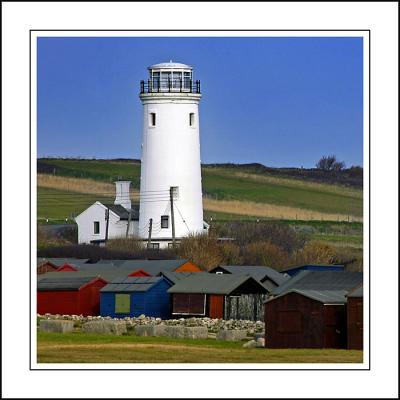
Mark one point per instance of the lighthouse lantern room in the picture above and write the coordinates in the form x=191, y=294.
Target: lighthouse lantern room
x=170, y=183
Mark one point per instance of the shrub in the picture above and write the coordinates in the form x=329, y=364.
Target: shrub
x=203, y=250
x=231, y=254
x=125, y=244
x=265, y=253
x=283, y=236
x=314, y=252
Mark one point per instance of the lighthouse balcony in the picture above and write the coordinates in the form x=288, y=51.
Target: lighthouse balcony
x=169, y=86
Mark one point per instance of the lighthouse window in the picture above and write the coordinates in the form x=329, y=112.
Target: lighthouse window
x=191, y=119
x=164, y=221
x=186, y=80
x=165, y=79
x=176, y=80
x=152, y=119
x=156, y=81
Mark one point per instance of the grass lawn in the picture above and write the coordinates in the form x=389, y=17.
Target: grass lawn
x=78, y=347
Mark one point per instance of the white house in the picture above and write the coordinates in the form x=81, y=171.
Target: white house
x=101, y=221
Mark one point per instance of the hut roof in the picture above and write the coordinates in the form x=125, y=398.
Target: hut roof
x=320, y=281
x=61, y=261
x=259, y=272
x=153, y=267
x=356, y=292
x=214, y=284
x=323, y=296
x=132, y=284
x=64, y=283
x=177, y=276
x=108, y=276
x=314, y=267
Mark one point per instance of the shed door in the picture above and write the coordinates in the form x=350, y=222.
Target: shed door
x=216, y=306
x=188, y=303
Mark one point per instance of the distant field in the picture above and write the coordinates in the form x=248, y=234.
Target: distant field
x=86, y=348
x=227, y=191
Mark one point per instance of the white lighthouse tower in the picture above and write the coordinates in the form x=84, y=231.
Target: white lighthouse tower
x=170, y=183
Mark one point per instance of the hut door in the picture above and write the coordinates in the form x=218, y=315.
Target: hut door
x=216, y=306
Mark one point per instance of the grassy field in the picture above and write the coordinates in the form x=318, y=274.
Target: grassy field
x=85, y=348
x=227, y=191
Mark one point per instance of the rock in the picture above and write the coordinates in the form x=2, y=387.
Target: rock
x=251, y=344
x=260, y=342
x=259, y=335
x=55, y=325
x=105, y=327
x=151, y=330
x=231, y=334
x=185, y=332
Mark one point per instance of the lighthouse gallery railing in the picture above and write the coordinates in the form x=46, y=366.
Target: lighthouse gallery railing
x=170, y=85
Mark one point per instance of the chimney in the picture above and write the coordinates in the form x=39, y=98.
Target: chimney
x=122, y=195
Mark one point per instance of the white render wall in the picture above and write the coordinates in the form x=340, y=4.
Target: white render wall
x=96, y=212
x=170, y=157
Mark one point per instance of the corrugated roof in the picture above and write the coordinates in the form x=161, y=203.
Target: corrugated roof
x=63, y=283
x=96, y=267
x=321, y=280
x=122, y=212
x=153, y=267
x=259, y=272
x=132, y=284
x=212, y=283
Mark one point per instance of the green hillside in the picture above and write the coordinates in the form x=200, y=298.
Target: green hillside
x=225, y=183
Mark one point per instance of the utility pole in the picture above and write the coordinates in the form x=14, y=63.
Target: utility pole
x=107, y=220
x=129, y=221
x=150, y=229
x=171, y=197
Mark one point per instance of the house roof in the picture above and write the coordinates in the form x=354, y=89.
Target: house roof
x=153, y=267
x=132, y=284
x=323, y=296
x=259, y=272
x=320, y=280
x=213, y=283
x=122, y=212
x=63, y=283
x=356, y=292
x=177, y=276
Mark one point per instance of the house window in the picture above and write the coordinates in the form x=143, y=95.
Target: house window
x=171, y=245
x=191, y=119
x=152, y=119
x=164, y=221
x=122, y=304
x=153, y=246
x=96, y=227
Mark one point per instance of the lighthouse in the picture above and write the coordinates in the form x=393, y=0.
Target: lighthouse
x=170, y=182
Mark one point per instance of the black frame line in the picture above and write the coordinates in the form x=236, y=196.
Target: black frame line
x=199, y=30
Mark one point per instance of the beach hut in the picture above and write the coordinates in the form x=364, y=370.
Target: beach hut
x=225, y=296
x=69, y=293
x=134, y=296
x=355, y=319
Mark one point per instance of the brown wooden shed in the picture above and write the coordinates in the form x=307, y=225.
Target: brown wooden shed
x=224, y=296
x=306, y=319
x=355, y=319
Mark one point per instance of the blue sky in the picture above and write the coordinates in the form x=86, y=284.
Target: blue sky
x=278, y=101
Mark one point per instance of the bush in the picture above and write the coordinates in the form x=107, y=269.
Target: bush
x=125, y=244
x=329, y=163
x=314, y=252
x=283, y=236
x=265, y=253
x=203, y=250
x=231, y=254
